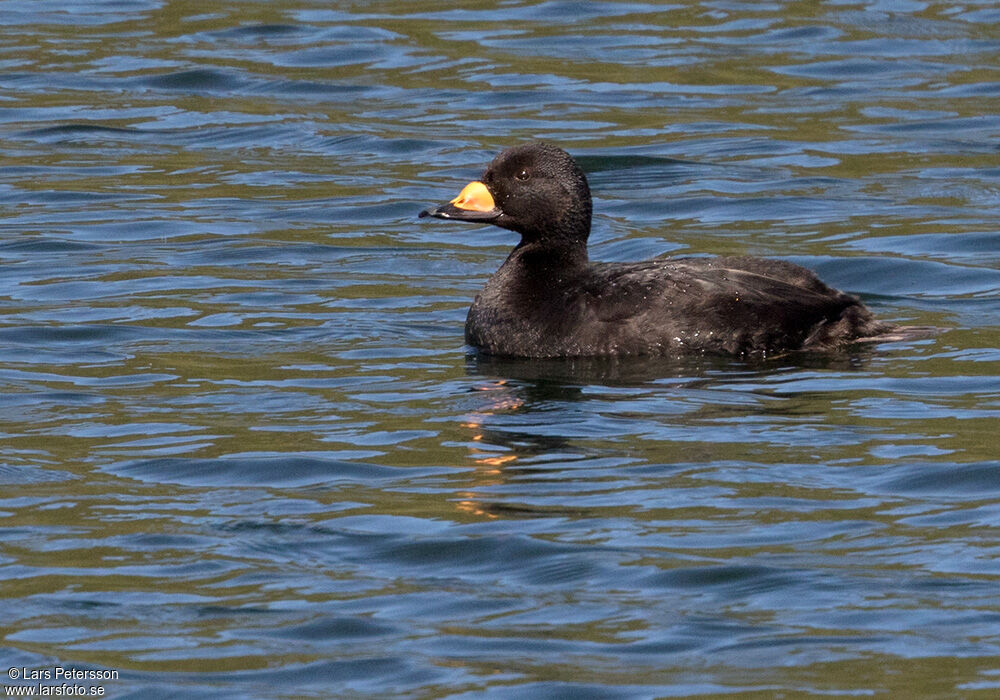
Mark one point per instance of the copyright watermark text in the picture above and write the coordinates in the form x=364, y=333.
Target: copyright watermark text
x=57, y=681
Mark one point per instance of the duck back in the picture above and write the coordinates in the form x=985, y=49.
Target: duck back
x=731, y=305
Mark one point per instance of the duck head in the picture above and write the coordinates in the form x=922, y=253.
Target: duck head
x=536, y=190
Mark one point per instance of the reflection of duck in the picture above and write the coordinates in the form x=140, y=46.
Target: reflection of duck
x=496, y=450
x=548, y=300
x=495, y=445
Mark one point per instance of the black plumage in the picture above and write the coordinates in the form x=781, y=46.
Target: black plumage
x=549, y=300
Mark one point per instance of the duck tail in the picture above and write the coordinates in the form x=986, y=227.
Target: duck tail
x=896, y=334
x=856, y=324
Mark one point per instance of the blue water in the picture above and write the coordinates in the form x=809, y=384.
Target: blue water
x=245, y=454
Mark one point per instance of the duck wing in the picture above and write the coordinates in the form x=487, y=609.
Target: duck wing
x=728, y=304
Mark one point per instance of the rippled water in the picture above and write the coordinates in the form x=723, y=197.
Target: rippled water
x=245, y=453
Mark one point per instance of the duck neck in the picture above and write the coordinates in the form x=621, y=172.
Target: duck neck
x=550, y=257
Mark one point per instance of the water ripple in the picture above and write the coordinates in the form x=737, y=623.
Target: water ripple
x=250, y=457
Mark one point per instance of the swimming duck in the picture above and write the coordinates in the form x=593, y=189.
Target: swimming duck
x=549, y=300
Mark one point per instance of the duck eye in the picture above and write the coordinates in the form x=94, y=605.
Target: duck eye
x=523, y=175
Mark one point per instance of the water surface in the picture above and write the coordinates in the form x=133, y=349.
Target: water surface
x=245, y=454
